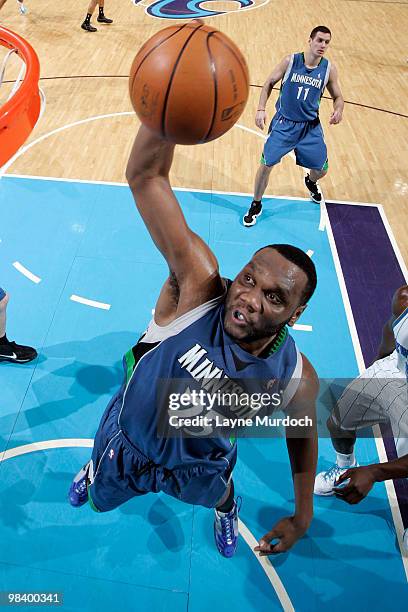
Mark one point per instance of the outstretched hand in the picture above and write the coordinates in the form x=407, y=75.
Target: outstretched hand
x=288, y=531
x=360, y=482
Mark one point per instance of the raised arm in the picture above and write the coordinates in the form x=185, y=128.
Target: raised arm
x=338, y=101
x=193, y=266
x=399, y=304
x=276, y=75
x=302, y=448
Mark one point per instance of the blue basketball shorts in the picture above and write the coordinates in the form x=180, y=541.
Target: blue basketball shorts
x=120, y=471
x=306, y=139
x=2, y=294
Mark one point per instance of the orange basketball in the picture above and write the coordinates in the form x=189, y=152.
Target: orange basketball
x=189, y=83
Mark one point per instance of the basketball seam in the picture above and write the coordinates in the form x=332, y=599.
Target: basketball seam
x=214, y=75
x=239, y=59
x=153, y=49
x=166, y=98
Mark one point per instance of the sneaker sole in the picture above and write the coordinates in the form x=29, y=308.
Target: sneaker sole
x=17, y=360
x=324, y=494
x=253, y=222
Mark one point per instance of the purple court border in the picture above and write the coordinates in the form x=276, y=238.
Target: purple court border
x=372, y=274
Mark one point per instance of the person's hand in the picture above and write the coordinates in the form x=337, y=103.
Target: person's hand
x=335, y=117
x=260, y=119
x=360, y=482
x=288, y=531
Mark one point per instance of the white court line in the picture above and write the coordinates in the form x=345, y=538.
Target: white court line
x=322, y=205
x=87, y=302
x=193, y=190
x=310, y=253
x=27, y=147
x=248, y=537
x=299, y=327
x=391, y=236
x=188, y=189
x=268, y=568
x=46, y=445
x=18, y=266
x=251, y=131
x=379, y=442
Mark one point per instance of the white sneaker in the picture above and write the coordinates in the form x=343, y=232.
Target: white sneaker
x=325, y=481
x=23, y=10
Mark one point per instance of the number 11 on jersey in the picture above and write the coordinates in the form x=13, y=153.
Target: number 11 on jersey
x=300, y=92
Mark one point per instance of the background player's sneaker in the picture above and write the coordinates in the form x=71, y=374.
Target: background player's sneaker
x=103, y=19
x=325, y=481
x=78, y=491
x=314, y=190
x=88, y=27
x=254, y=211
x=16, y=353
x=226, y=529
x=23, y=9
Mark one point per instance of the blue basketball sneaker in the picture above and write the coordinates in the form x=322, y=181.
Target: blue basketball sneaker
x=78, y=491
x=226, y=529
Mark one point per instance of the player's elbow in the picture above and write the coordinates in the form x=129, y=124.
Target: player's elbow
x=134, y=175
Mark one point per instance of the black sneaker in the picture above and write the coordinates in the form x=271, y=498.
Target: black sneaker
x=88, y=27
x=314, y=190
x=254, y=211
x=103, y=19
x=17, y=353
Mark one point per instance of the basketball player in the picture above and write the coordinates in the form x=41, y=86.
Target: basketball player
x=379, y=394
x=86, y=25
x=23, y=9
x=204, y=329
x=10, y=351
x=296, y=125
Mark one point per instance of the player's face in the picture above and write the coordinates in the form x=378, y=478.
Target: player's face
x=263, y=298
x=319, y=43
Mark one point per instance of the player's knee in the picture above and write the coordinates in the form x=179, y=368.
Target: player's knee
x=335, y=430
x=325, y=168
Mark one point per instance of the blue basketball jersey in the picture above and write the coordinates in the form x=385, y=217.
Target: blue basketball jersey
x=197, y=352
x=302, y=89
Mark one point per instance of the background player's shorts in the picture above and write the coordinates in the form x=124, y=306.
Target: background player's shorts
x=120, y=471
x=378, y=395
x=305, y=138
x=2, y=294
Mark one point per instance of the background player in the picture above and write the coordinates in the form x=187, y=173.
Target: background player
x=23, y=9
x=200, y=324
x=10, y=351
x=379, y=394
x=296, y=125
x=86, y=25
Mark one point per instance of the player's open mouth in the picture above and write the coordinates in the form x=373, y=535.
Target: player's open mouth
x=239, y=318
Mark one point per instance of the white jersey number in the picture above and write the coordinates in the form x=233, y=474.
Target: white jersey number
x=300, y=92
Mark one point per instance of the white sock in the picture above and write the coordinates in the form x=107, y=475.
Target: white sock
x=345, y=461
